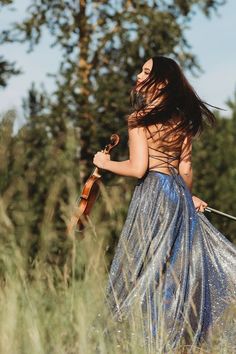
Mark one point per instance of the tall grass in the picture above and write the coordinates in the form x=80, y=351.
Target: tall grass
x=49, y=308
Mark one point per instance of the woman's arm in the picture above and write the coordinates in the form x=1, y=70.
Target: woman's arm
x=186, y=171
x=185, y=165
x=137, y=164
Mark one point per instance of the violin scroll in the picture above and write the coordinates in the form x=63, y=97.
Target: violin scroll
x=115, y=139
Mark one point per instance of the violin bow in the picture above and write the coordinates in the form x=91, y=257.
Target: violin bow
x=211, y=210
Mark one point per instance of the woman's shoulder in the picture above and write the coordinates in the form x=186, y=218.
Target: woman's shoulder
x=162, y=128
x=168, y=137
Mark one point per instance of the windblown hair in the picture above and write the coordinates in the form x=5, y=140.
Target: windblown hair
x=167, y=94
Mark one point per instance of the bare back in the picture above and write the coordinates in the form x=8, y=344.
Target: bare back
x=164, y=146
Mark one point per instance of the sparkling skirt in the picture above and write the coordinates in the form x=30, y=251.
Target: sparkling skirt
x=171, y=264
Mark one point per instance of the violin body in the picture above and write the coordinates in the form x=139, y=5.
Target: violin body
x=88, y=197
x=89, y=194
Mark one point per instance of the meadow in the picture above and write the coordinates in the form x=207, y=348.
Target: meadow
x=55, y=303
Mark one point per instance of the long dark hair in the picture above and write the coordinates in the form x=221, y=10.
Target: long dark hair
x=176, y=98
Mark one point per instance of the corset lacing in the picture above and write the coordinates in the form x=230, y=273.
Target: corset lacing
x=165, y=161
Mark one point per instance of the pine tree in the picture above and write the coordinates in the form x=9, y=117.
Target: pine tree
x=103, y=45
x=6, y=71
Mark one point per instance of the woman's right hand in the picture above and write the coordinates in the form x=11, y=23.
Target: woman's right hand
x=199, y=204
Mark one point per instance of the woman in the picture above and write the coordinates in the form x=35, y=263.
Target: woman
x=169, y=256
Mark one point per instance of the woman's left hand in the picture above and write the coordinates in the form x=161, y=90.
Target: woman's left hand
x=199, y=204
x=100, y=159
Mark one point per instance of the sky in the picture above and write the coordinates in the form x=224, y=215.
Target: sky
x=213, y=41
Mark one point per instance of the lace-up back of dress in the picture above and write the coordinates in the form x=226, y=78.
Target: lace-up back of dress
x=164, y=145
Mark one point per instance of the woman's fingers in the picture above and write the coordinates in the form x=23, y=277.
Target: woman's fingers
x=203, y=206
x=101, y=158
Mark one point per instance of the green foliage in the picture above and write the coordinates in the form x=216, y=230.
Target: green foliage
x=215, y=170
x=6, y=71
x=103, y=43
x=5, y=2
x=45, y=164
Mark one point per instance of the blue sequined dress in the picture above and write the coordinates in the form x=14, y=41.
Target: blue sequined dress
x=173, y=260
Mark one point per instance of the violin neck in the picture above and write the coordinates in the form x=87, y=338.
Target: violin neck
x=96, y=172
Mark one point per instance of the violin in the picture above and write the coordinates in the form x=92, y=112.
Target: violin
x=89, y=194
